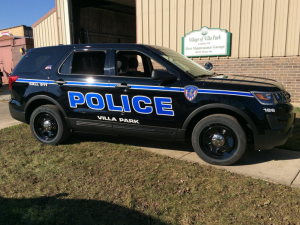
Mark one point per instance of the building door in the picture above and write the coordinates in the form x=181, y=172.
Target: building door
x=5, y=62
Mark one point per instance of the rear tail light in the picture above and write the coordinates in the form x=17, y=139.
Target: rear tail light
x=12, y=79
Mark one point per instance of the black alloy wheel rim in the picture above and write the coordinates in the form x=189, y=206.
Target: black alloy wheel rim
x=218, y=141
x=45, y=126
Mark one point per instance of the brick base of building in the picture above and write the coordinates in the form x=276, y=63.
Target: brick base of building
x=286, y=70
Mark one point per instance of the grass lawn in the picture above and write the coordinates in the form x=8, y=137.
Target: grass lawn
x=294, y=141
x=90, y=181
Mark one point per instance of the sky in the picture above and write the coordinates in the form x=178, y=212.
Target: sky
x=23, y=12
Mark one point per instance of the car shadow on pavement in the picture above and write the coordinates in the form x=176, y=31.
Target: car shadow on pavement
x=57, y=210
x=251, y=156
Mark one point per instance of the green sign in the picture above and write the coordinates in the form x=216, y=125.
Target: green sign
x=206, y=42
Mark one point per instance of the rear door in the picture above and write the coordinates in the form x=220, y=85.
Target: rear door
x=79, y=85
x=143, y=107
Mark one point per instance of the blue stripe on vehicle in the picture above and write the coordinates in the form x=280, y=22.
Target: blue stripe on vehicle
x=155, y=88
x=141, y=87
x=90, y=84
x=221, y=92
x=31, y=80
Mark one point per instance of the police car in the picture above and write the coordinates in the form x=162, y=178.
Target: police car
x=150, y=92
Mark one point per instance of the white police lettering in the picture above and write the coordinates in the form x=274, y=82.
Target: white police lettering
x=106, y=118
x=37, y=84
x=121, y=120
x=140, y=104
x=269, y=110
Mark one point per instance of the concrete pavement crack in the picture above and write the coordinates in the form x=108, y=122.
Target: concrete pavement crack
x=184, y=155
x=295, y=178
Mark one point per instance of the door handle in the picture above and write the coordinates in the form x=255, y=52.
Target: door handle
x=60, y=82
x=122, y=85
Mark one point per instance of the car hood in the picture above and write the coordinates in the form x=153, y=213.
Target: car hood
x=242, y=83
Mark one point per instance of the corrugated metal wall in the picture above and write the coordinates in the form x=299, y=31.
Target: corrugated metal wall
x=259, y=28
x=45, y=33
x=62, y=7
x=52, y=30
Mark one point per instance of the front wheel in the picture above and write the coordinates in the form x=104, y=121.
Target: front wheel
x=219, y=139
x=48, y=126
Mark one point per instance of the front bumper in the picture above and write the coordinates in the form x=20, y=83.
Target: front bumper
x=266, y=142
x=275, y=137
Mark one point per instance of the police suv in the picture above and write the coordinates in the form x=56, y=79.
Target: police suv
x=150, y=92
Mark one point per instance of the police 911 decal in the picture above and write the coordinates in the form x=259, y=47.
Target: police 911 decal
x=140, y=104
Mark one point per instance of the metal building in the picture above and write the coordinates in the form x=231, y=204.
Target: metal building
x=265, y=34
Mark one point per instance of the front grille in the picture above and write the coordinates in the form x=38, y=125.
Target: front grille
x=282, y=96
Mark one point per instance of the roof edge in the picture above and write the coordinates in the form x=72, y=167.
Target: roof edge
x=44, y=17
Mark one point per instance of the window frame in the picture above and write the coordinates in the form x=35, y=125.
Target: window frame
x=106, y=63
x=114, y=62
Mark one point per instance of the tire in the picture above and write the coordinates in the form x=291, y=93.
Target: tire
x=48, y=126
x=219, y=140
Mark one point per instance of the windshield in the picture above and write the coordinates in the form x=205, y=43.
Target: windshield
x=183, y=62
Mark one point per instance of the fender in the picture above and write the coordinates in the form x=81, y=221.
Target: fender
x=221, y=106
x=45, y=97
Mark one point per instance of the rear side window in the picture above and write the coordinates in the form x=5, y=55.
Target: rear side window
x=90, y=63
x=33, y=61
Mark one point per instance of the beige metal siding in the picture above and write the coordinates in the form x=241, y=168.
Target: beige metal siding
x=197, y=18
x=166, y=23
x=280, y=27
x=45, y=33
x=256, y=28
x=235, y=19
x=152, y=18
x=180, y=22
x=244, y=45
x=61, y=21
x=260, y=28
x=206, y=9
x=139, y=22
x=215, y=13
x=173, y=25
x=158, y=22
x=293, y=29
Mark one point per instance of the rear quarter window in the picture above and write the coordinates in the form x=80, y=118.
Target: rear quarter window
x=33, y=61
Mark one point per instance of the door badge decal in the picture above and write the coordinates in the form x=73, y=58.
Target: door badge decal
x=190, y=92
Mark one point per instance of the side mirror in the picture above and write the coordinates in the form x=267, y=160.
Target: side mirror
x=162, y=75
x=208, y=66
x=1, y=74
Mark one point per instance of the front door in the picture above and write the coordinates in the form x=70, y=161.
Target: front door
x=143, y=107
x=80, y=85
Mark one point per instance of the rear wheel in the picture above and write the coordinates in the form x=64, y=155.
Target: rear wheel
x=48, y=126
x=219, y=139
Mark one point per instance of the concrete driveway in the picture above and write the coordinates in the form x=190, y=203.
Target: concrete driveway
x=5, y=118
x=277, y=165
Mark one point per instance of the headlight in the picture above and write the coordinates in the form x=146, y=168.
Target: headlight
x=265, y=98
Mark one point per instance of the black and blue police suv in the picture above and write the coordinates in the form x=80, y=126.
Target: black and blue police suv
x=150, y=92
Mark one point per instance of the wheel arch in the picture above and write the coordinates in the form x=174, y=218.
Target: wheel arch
x=218, y=108
x=40, y=100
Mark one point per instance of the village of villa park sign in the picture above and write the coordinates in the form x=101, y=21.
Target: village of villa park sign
x=206, y=42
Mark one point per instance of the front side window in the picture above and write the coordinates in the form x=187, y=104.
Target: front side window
x=90, y=63
x=135, y=64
